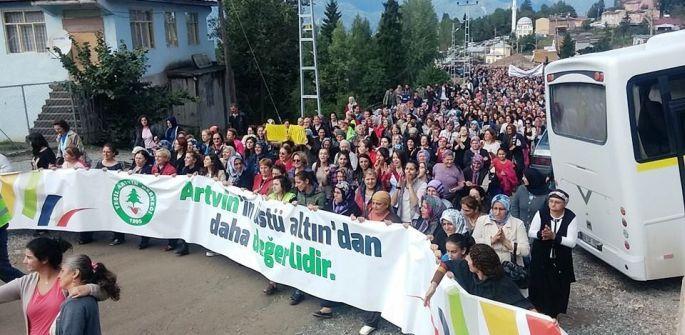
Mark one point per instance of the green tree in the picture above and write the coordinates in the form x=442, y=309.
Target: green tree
x=334, y=73
x=562, y=8
x=526, y=10
x=331, y=17
x=114, y=84
x=419, y=35
x=133, y=197
x=445, y=32
x=596, y=10
x=624, y=26
x=262, y=37
x=430, y=75
x=568, y=47
x=527, y=43
x=389, y=45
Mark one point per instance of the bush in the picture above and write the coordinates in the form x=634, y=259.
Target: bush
x=112, y=81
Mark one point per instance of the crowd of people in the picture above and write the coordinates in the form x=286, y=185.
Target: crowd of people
x=448, y=160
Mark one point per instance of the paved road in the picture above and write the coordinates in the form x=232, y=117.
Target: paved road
x=165, y=294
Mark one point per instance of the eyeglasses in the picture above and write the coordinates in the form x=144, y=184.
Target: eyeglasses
x=296, y=160
x=217, y=139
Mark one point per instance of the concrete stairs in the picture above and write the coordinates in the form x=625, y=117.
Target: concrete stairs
x=59, y=106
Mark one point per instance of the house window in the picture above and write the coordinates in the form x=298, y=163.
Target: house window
x=141, y=29
x=192, y=27
x=170, y=28
x=25, y=31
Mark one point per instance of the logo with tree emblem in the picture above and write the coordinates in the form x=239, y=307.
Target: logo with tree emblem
x=134, y=202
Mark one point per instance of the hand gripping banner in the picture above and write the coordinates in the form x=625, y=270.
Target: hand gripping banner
x=367, y=265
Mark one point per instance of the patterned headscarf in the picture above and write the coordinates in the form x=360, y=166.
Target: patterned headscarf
x=437, y=185
x=504, y=200
x=456, y=218
x=345, y=206
x=436, y=207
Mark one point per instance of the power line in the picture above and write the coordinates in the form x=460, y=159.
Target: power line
x=259, y=69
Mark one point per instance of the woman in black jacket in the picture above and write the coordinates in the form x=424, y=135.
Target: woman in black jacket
x=554, y=232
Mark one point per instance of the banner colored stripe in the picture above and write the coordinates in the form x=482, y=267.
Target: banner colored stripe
x=662, y=163
x=31, y=195
x=48, y=207
x=539, y=326
x=67, y=216
x=500, y=320
x=457, y=313
x=7, y=190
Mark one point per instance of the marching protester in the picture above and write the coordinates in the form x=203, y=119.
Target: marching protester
x=66, y=137
x=554, y=231
x=81, y=315
x=431, y=160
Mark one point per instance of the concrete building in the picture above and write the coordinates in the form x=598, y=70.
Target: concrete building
x=542, y=27
x=524, y=27
x=172, y=31
x=498, y=51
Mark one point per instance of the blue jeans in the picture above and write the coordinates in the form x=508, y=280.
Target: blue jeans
x=7, y=272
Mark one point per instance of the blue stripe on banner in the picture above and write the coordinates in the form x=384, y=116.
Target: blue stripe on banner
x=48, y=207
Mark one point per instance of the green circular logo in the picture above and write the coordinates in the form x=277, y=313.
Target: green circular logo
x=134, y=202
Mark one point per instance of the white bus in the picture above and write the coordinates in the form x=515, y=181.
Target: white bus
x=616, y=124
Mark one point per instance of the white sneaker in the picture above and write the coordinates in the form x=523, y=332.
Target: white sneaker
x=210, y=254
x=366, y=330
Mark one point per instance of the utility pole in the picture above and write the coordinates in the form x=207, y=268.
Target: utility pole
x=229, y=81
x=466, y=56
x=307, y=30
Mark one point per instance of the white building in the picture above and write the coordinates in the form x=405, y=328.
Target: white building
x=172, y=31
x=524, y=27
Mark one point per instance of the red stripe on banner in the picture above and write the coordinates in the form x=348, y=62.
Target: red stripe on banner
x=67, y=216
x=539, y=326
x=435, y=329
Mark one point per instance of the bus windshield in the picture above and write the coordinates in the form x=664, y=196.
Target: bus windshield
x=578, y=110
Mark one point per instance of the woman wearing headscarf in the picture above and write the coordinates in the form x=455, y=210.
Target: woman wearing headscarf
x=452, y=222
x=475, y=173
x=380, y=211
x=554, y=231
x=530, y=197
x=429, y=221
x=476, y=150
x=343, y=204
x=435, y=188
x=502, y=232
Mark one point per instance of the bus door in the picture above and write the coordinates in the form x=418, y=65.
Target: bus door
x=657, y=108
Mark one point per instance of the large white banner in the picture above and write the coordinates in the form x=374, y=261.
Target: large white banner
x=370, y=266
x=521, y=73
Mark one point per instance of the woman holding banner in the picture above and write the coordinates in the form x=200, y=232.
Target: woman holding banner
x=343, y=204
x=380, y=211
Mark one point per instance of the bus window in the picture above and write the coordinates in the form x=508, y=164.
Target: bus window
x=652, y=135
x=578, y=110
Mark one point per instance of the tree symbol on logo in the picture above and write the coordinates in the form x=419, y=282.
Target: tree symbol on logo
x=134, y=199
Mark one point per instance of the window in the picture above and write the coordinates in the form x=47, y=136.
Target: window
x=25, y=31
x=648, y=116
x=170, y=28
x=578, y=110
x=141, y=29
x=192, y=27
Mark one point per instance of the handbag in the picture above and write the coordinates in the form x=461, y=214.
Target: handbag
x=517, y=273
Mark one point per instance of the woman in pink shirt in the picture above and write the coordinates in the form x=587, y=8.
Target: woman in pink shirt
x=39, y=291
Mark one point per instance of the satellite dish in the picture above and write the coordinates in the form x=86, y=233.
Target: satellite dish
x=60, y=39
